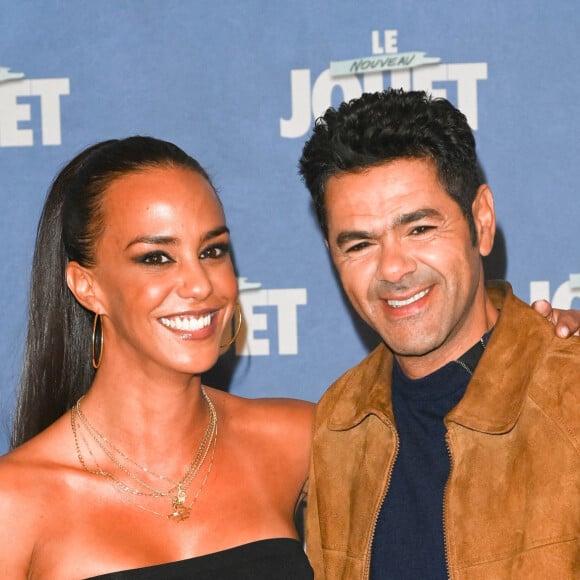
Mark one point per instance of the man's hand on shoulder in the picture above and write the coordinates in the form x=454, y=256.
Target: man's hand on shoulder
x=567, y=322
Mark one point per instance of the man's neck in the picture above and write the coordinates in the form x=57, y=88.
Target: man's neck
x=416, y=367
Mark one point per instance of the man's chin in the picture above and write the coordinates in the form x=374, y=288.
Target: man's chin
x=411, y=346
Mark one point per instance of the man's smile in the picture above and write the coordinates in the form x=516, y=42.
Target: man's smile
x=414, y=298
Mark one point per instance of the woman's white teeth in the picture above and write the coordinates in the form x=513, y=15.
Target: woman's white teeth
x=187, y=322
x=400, y=303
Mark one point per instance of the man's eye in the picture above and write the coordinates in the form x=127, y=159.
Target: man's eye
x=155, y=259
x=357, y=247
x=216, y=251
x=418, y=230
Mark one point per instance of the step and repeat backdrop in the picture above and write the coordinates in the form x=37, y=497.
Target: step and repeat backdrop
x=238, y=85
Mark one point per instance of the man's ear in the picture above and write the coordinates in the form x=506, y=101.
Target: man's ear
x=483, y=211
x=82, y=284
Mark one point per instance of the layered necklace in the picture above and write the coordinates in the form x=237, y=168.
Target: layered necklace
x=138, y=480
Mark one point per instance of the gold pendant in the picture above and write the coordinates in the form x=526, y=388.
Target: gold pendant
x=180, y=510
x=179, y=514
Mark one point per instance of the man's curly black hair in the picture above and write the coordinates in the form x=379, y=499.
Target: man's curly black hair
x=380, y=127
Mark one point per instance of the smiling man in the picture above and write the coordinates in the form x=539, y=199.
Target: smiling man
x=452, y=449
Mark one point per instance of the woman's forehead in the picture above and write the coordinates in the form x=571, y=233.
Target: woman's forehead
x=161, y=196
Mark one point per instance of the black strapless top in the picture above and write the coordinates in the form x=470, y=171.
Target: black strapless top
x=279, y=558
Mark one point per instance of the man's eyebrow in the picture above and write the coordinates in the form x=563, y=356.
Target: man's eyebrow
x=409, y=218
x=172, y=240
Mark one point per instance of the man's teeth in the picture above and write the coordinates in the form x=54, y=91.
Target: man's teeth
x=188, y=323
x=400, y=303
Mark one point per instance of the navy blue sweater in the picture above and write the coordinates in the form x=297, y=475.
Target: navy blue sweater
x=409, y=541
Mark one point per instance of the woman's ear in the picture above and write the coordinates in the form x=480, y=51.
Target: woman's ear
x=484, y=218
x=82, y=284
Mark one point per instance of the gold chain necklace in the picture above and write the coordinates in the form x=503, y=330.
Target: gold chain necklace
x=177, y=491
x=110, y=450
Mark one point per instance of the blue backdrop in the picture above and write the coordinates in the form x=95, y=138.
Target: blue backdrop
x=238, y=84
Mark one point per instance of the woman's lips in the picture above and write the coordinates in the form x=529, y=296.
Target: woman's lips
x=187, y=323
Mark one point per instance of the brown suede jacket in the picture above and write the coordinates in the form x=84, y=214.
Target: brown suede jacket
x=512, y=501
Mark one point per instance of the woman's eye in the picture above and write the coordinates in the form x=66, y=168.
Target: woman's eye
x=155, y=259
x=214, y=252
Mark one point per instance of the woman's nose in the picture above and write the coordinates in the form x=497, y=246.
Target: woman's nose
x=194, y=281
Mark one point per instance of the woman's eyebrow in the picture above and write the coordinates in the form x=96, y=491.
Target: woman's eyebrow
x=172, y=240
x=216, y=232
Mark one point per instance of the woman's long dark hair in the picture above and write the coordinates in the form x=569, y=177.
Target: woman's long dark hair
x=57, y=366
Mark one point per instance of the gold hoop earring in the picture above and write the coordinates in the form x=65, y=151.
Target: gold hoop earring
x=239, y=322
x=101, y=340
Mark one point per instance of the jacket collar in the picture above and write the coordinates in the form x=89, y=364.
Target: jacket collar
x=496, y=392
x=364, y=390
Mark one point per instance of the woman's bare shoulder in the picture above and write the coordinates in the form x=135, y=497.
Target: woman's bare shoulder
x=282, y=415
x=33, y=462
x=278, y=426
x=24, y=477
x=272, y=438
x=29, y=472
x=18, y=471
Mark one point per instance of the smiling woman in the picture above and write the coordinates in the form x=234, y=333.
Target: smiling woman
x=162, y=280
x=121, y=456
